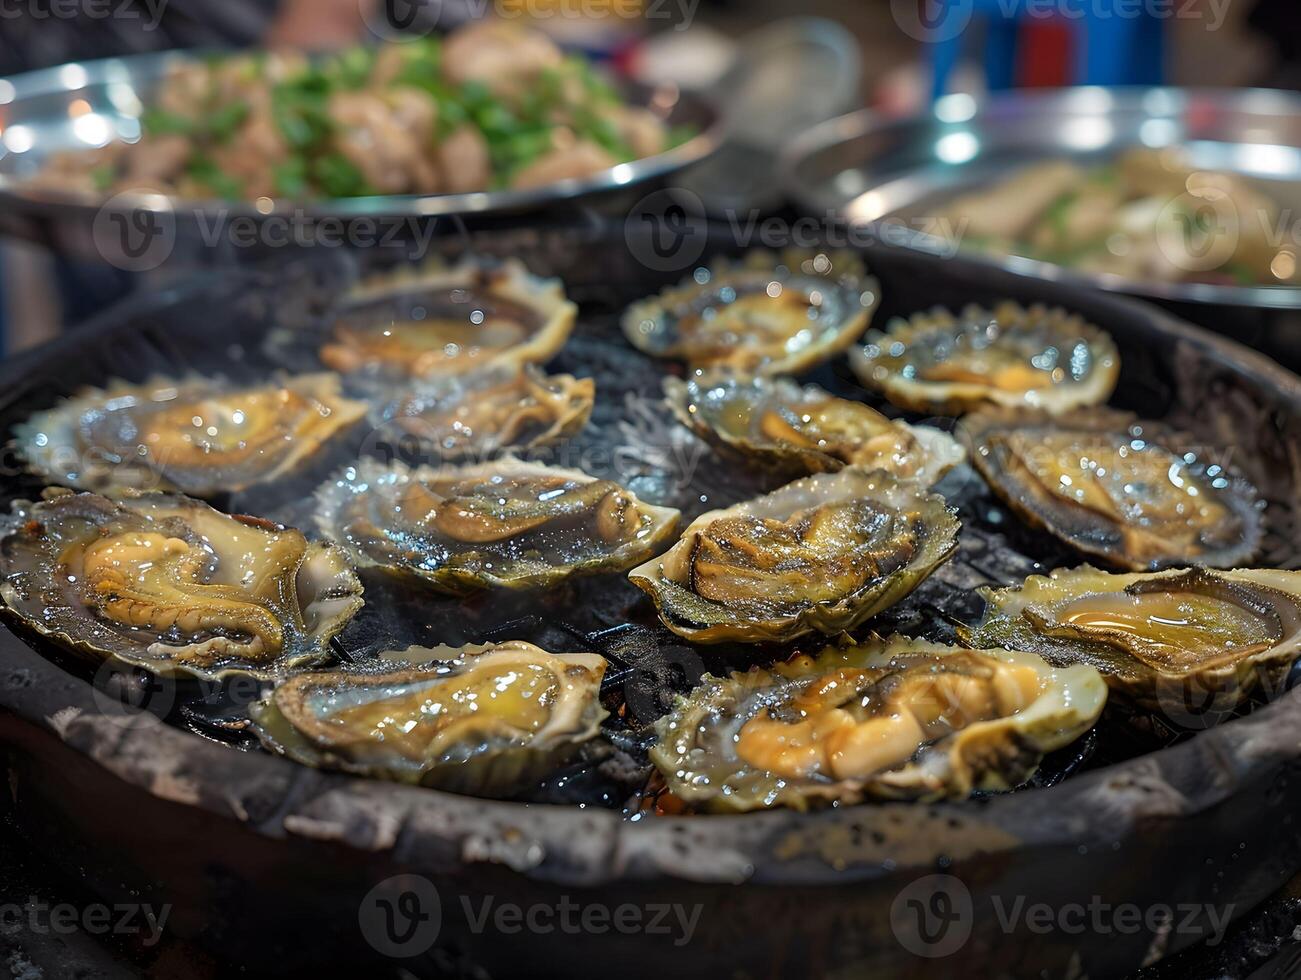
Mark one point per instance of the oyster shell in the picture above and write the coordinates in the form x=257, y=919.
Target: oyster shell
x=487, y=721
x=945, y=364
x=442, y=321
x=1168, y=640
x=806, y=429
x=1135, y=493
x=890, y=718
x=764, y=316
x=485, y=413
x=201, y=436
x=506, y=524
x=821, y=554
x=165, y=582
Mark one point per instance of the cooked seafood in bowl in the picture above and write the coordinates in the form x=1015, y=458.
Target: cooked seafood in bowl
x=766, y=315
x=895, y=718
x=946, y=364
x=200, y=436
x=496, y=105
x=822, y=554
x=1163, y=639
x=1133, y=492
x=506, y=524
x=485, y=720
x=805, y=429
x=167, y=583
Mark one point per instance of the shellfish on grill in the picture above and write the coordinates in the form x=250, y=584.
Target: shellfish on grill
x=822, y=554
x=1171, y=639
x=805, y=429
x=1011, y=355
x=890, y=718
x=762, y=316
x=504, y=524
x=167, y=583
x=483, y=414
x=1133, y=492
x=486, y=720
x=446, y=320
x=199, y=436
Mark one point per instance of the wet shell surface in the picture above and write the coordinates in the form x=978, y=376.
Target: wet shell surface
x=764, y=316
x=505, y=524
x=167, y=583
x=805, y=429
x=898, y=719
x=486, y=720
x=442, y=320
x=1015, y=356
x=1135, y=493
x=820, y=555
x=200, y=436
x=480, y=415
x=1169, y=640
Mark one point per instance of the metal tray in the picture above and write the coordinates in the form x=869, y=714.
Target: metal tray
x=864, y=167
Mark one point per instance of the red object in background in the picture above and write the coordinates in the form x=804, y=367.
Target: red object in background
x=1045, y=53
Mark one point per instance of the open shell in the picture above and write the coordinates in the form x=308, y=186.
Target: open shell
x=1133, y=492
x=504, y=524
x=764, y=316
x=944, y=364
x=1168, y=640
x=891, y=718
x=167, y=583
x=805, y=429
x=480, y=415
x=485, y=720
x=822, y=554
x=199, y=436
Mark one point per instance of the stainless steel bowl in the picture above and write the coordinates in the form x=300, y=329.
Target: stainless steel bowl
x=880, y=172
x=81, y=105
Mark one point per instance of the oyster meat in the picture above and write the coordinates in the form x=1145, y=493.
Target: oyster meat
x=444, y=321
x=484, y=720
x=1135, y=493
x=821, y=554
x=765, y=316
x=165, y=582
x=890, y=718
x=200, y=436
x=506, y=524
x=1164, y=639
x=805, y=429
x=480, y=415
x=945, y=364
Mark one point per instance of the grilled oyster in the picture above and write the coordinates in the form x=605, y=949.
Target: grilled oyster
x=821, y=554
x=885, y=718
x=201, y=436
x=806, y=429
x=505, y=524
x=165, y=582
x=449, y=321
x=1169, y=639
x=946, y=364
x=487, y=720
x=483, y=414
x=1135, y=493
x=764, y=316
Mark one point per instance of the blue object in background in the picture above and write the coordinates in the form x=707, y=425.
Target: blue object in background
x=1116, y=42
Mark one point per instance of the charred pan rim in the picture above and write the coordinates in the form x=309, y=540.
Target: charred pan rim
x=1090, y=534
